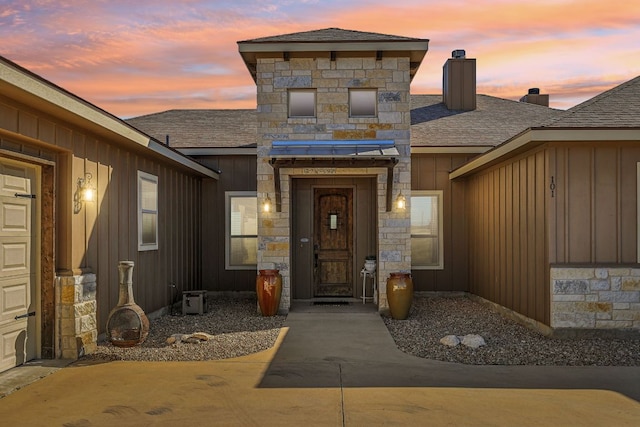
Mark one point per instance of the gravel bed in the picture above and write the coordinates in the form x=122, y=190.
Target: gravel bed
x=239, y=330
x=508, y=342
x=237, y=327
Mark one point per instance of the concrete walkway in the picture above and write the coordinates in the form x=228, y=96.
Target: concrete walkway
x=328, y=368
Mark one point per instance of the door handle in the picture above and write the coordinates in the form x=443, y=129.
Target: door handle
x=315, y=255
x=22, y=316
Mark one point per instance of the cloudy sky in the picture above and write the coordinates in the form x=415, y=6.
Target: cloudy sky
x=134, y=57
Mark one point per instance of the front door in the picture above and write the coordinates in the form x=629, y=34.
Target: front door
x=17, y=281
x=333, y=242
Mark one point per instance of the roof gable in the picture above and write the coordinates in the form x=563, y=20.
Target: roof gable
x=330, y=35
x=618, y=107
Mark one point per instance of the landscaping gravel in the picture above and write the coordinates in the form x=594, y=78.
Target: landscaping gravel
x=239, y=330
x=507, y=342
x=237, y=327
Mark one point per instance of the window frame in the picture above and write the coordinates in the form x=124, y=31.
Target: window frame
x=375, y=103
x=228, y=196
x=144, y=176
x=440, y=196
x=299, y=91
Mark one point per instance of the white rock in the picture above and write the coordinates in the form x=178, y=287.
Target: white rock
x=202, y=336
x=473, y=341
x=450, y=340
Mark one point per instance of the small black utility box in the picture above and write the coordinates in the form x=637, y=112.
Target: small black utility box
x=194, y=302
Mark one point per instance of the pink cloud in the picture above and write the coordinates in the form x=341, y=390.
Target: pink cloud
x=136, y=58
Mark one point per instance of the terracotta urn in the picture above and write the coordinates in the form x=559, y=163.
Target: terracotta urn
x=399, y=294
x=269, y=291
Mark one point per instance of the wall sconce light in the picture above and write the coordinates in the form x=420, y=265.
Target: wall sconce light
x=401, y=202
x=266, y=205
x=86, y=191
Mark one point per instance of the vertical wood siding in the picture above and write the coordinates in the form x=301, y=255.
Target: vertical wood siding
x=104, y=232
x=431, y=172
x=507, y=226
x=593, y=217
x=238, y=174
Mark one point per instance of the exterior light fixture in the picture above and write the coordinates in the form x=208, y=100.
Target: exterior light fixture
x=401, y=202
x=85, y=189
x=266, y=205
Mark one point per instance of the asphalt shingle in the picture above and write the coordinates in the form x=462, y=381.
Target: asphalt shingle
x=330, y=35
x=618, y=107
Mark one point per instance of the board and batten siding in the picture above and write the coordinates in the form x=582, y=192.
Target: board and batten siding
x=507, y=225
x=238, y=173
x=431, y=172
x=594, y=218
x=102, y=233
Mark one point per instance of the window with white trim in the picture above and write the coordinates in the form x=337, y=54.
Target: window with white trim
x=427, y=244
x=241, y=209
x=147, y=211
x=363, y=102
x=302, y=103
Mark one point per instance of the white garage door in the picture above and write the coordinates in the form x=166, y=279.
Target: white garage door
x=17, y=281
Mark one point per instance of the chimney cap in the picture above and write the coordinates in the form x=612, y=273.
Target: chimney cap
x=534, y=91
x=458, y=53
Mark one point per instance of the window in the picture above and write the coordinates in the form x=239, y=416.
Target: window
x=426, y=230
x=147, y=211
x=363, y=102
x=302, y=103
x=242, y=230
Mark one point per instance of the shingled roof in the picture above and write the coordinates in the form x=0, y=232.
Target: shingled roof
x=492, y=122
x=432, y=124
x=201, y=128
x=616, y=108
x=330, y=35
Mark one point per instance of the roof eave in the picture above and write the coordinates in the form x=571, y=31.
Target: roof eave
x=534, y=137
x=29, y=88
x=416, y=49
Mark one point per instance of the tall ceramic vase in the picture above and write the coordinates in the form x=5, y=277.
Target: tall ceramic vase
x=269, y=291
x=399, y=295
x=127, y=325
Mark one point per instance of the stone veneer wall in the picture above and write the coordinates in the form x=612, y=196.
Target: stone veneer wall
x=76, y=306
x=332, y=80
x=595, y=298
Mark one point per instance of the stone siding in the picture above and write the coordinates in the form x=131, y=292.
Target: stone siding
x=332, y=81
x=595, y=298
x=76, y=310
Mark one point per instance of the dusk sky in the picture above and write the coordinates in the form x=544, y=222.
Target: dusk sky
x=137, y=57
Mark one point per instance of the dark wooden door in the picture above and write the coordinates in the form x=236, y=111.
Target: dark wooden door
x=333, y=242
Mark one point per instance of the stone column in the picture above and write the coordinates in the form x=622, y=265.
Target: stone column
x=77, y=331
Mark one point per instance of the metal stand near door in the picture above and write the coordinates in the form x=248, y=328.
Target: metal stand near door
x=369, y=275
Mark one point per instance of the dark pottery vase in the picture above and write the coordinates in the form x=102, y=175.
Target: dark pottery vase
x=399, y=295
x=269, y=291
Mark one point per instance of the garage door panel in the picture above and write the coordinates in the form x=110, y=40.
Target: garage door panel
x=15, y=216
x=12, y=340
x=14, y=179
x=14, y=298
x=14, y=257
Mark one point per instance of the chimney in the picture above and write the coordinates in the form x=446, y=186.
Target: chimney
x=459, y=82
x=534, y=97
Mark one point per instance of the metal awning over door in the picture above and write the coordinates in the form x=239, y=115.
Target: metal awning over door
x=334, y=154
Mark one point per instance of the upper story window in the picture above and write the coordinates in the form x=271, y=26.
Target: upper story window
x=427, y=244
x=241, y=230
x=363, y=102
x=147, y=211
x=302, y=103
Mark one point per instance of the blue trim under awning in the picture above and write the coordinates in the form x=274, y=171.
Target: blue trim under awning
x=368, y=148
